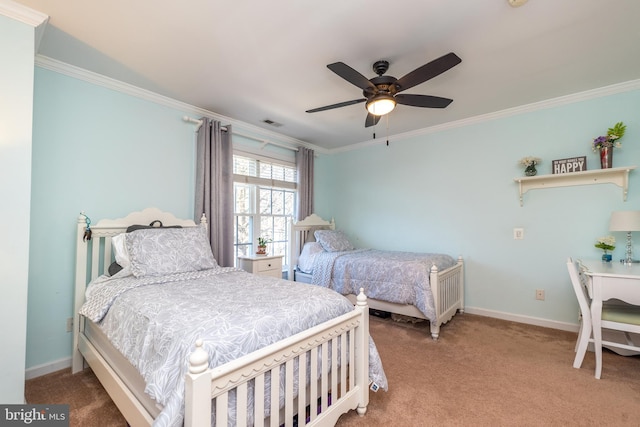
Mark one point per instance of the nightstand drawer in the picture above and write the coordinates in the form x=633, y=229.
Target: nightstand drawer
x=265, y=265
x=262, y=265
x=272, y=273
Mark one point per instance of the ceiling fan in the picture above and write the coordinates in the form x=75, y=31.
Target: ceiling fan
x=382, y=93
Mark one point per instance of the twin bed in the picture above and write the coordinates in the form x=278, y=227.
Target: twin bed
x=175, y=339
x=419, y=285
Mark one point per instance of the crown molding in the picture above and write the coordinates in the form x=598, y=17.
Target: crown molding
x=528, y=108
x=26, y=15
x=22, y=13
x=100, y=80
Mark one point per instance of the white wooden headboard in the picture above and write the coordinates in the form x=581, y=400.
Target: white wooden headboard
x=301, y=233
x=94, y=256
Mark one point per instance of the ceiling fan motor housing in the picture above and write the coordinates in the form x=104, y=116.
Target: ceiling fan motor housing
x=380, y=67
x=384, y=84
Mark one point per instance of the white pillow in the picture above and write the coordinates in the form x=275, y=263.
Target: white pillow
x=308, y=256
x=120, y=250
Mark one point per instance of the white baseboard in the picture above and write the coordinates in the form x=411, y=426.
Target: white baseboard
x=47, y=368
x=553, y=324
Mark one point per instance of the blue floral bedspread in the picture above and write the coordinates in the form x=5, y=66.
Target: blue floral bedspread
x=155, y=321
x=399, y=277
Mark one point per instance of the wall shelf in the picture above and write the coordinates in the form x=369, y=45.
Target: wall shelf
x=617, y=176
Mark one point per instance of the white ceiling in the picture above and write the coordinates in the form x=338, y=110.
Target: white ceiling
x=257, y=60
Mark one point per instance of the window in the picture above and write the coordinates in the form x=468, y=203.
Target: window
x=265, y=202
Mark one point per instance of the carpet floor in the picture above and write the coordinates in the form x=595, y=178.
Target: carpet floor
x=481, y=372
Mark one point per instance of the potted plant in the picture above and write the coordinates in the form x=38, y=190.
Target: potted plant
x=606, y=243
x=530, y=163
x=262, y=245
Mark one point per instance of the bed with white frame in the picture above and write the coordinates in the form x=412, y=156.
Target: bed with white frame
x=338, y=391
x=447, y=285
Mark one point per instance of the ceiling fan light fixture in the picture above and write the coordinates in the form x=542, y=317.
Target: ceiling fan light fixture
x=381, y=104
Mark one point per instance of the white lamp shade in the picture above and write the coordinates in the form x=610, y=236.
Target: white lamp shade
x=625, y=221
x=381, y=104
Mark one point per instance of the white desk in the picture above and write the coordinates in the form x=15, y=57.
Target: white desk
x=609, y=280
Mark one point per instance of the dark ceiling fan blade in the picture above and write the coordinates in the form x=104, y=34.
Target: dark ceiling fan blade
x=338, y=105
x=428, y=71
x=371, y=120
x=351, y=75
x=427, y=101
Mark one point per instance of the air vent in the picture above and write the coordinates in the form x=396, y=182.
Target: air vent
x=272, y=123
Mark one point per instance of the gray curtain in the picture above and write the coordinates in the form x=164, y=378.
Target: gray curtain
x=304, y=166
x=214, y=187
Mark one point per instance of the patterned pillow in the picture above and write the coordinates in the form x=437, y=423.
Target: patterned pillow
x=168, y=251
x=120, y=249
x=333, y=240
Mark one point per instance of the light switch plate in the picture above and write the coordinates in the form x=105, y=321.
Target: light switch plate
x=518, y=233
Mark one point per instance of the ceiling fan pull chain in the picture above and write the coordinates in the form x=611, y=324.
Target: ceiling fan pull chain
x=387, y=118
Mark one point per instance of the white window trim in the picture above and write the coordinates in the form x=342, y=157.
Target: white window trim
x=264, y=157
x=266, y=182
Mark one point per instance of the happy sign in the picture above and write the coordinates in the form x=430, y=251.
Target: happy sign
x=574, y=164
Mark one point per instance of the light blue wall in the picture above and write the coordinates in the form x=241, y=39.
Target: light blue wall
x=16, y=102
x=454, y=192
x=103, y=152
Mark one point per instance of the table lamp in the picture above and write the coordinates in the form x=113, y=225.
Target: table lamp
x=626, y=221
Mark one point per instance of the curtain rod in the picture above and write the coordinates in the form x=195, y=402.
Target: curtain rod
x=192, y=120
x=263, y=141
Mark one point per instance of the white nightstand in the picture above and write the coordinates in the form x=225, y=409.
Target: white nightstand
x=262, y=265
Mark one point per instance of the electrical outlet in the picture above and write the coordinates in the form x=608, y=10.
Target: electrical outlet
x=518, y=233
x=540, y=294
x=70, y=324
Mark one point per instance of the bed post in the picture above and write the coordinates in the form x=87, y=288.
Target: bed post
x=197, y=406
x=362, y=353
x=203, y=220
x=77, y=361
x=293, y=252
x=435, y=290
x=461, y=289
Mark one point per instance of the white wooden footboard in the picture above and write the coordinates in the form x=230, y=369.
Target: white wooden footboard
x=341, y=386
x=447, y=287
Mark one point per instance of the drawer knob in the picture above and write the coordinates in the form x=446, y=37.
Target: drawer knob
x=269, y=265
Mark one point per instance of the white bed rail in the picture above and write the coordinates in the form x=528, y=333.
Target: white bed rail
x=341, y=386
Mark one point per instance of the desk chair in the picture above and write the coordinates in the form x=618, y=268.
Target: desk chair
x=617, y=316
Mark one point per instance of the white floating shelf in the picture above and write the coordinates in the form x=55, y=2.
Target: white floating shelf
x=617, y=176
